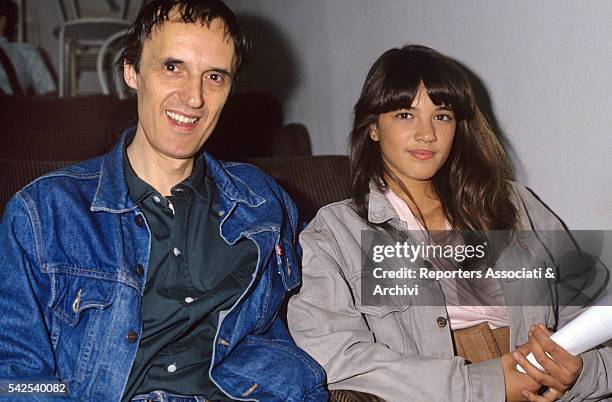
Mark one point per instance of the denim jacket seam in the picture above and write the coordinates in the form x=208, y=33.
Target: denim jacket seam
x=261, y=229
x=65, y=173
x=35, y=225
x=297, y=353
x=261, y=322
x=86, y=351
x=83, y=272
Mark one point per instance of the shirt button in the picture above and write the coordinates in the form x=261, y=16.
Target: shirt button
x=189, y=299
x=139, y=269
x=171, y=368
x=138, y=221
x=427, y=264
x=176, y=251
x=156, y=199
x=441, y=321
x=131, y=337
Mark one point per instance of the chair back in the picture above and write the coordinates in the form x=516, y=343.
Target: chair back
x=70, y=10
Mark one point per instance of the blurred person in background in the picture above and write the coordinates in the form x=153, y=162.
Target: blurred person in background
x=22, y=69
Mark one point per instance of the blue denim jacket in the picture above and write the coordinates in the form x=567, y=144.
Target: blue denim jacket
x=70, y=294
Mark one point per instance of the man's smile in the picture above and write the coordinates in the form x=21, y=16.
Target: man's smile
x=180, y=118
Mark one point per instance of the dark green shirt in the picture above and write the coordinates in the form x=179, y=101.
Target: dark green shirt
x=193, y=275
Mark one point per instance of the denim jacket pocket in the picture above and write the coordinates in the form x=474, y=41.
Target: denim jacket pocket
x=74, y=295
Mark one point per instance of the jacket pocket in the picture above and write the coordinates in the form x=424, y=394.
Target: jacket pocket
x=382, y=298
x=74, y=295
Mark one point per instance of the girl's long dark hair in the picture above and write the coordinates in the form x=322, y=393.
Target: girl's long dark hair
x=473, y=185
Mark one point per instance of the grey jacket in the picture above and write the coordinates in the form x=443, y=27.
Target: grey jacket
x=406, y=353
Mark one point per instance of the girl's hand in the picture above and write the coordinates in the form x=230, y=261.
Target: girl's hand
x=561, y=368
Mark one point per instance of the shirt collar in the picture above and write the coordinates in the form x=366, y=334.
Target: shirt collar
x=137, y=188
x=195, y=181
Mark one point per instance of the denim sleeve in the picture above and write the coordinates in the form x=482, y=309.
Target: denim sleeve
x=297, y=225
x=26, y=353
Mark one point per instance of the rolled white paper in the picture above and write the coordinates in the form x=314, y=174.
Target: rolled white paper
x=591, y=328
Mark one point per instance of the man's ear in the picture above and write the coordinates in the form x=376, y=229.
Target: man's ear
x=130, y=75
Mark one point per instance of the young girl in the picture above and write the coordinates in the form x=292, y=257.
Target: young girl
x=424, y=159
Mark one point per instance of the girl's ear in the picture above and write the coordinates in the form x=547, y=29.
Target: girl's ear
x=374, y=132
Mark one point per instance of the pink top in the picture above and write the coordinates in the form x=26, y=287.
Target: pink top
x=459, y=316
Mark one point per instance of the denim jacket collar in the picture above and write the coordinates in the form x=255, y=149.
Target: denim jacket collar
x=112, y=192
x=230, y=186
x=380, y=209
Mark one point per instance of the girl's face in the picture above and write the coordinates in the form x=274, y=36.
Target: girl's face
x=415, y=142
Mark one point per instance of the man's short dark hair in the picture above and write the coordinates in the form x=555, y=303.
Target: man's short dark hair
x=157, y=12
x=10, y=11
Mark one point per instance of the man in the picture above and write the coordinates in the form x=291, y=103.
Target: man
x=155, y=273
x=22, y=69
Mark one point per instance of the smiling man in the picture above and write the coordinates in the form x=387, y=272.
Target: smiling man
x=155, y=272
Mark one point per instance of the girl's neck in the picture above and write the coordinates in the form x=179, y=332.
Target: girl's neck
x=424, y=203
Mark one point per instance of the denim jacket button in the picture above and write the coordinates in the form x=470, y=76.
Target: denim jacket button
x=139, y=269
x=131, y=336
x=441, y=322
x=138, y=221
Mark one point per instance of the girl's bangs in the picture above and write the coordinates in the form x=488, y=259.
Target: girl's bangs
x=444, y=83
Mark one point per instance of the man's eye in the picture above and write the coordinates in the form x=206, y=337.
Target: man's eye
x=170, y=67
x=216, y=77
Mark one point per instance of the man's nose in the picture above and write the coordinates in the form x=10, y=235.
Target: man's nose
x=192, y=94
x=426, y=131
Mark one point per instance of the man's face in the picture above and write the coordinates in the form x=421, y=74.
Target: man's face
x=185, y=77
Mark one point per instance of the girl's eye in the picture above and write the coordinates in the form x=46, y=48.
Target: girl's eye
x=444, y=117
x=404, y=115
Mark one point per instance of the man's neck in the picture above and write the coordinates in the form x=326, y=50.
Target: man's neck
x=159, y=171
